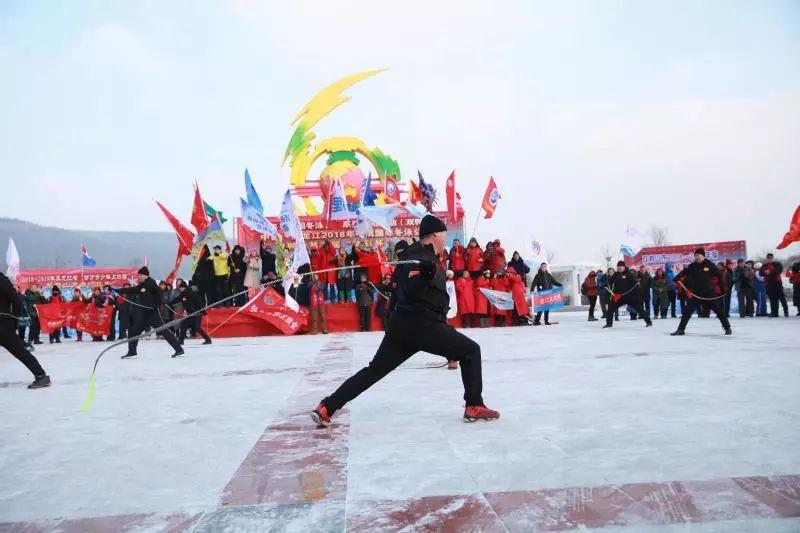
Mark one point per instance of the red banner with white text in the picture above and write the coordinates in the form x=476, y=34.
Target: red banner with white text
x=96, y=321
x=681, y=255
x=76, y=277
x=56, y=315
x=270, y=306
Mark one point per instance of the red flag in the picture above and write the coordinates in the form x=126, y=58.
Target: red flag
x=452, y=198
x=270, y=306
x=184, y=234
x=414, y=194
x=96, y=321
x=490, y=198
x=52, y=316
x=199, y=217
x=391, y=193
x=793, y=235
x=372, y=262
x=178, y=260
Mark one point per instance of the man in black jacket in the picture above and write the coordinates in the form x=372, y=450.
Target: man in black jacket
x=624, y=290
x=697, y=280
x=744, y=281
x=191, y=303
x=267, y=259
x=772, y=279
x=148, y=303
x=10, y=312
x=418, y=323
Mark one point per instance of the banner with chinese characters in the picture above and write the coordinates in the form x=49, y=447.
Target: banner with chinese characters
x=76, y=277
x=406, y=227
x=548, y=300
x=680, y=255
x=269, y=305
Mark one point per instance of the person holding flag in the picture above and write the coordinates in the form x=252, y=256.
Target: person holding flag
x=418, y=323
x=10, y=313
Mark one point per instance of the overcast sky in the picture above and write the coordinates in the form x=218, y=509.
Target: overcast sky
x=590, y=115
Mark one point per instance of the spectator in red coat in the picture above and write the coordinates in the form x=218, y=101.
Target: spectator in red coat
x=443, y=257
x=499, y=256
x=458, y=258
x=328, y=259
x=488, y=257
x=500, y=282
x=474, y=257
x=519, y=293
x=481, y=302
x=465, y=294
x=591, y=290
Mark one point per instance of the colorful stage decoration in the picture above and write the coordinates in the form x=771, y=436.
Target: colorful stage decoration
x=342, y=153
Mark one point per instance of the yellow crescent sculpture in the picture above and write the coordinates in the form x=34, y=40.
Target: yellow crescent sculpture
x=341, y=150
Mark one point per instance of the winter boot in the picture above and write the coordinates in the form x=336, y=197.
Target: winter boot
x=178, y=353
x=606, y=326
x=207, y=341
x=728, y=331
x=479, y=412
x=40, y=382
x=677, y=333
x=321, y=416
x=129, y=355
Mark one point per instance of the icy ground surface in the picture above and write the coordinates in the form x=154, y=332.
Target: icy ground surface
x=627, y=430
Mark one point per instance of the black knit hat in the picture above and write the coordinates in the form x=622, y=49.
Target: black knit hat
x=400, y=246
x=431, y=224
x=700, y=251
x=144, y=270
x=621, y=263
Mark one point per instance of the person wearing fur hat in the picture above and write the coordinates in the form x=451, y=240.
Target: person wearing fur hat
x=419, y=323
x=697, y=280
x=148, y=303
x=624, y=290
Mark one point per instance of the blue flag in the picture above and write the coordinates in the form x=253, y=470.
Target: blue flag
x=252, y=195
x=86, y=261
x=369, y=197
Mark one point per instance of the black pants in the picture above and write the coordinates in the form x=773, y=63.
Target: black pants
x=776, y=295
x=237, y=286
x=112, y=329
x=124, y=325
x=634, y=300
x=672, y=297
x=538, y=319
x=219, y=290
x=406, y=336
x=746, y=297
x=11, y=342
x=603, y=302
x=364, y=318
x=193, y=323
x=727, y=301
x=646, y=301
x=34, y=331
x=150, y=317
x=592, y=304
x=715, y=305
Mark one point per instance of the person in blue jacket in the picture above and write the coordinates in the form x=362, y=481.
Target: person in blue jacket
x=672, y=289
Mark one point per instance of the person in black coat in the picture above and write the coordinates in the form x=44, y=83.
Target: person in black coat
x=238, y=268
x=697, y=280
x=625, y=290
x=645, y=286
x=543, y=281
x=519, y=266
x=191, y=303
x=419, y=323
x=149, y=302
x=10, y=312
x=268, y=259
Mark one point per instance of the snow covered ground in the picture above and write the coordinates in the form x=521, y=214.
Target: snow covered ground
x=627, y=429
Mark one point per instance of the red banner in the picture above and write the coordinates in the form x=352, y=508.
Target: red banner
x=681, y=255
x=95, y=321
x=405, y=226
x=270, y=306
x=76, y=277
x=56, y=315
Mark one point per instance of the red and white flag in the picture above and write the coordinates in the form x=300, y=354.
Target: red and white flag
x=793, y=235
x=454, y=210
x=490, y=198
x=270, y=306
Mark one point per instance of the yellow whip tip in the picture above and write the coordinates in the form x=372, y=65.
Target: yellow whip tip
x=89, y=398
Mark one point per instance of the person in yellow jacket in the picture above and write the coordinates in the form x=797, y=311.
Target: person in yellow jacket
x=219, y=289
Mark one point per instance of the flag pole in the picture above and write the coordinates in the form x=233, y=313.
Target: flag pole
x=477, y=218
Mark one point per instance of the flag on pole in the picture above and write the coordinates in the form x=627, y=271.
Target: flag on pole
x=211, y=212
x=454, y=210
x=252, y=195
x=414, y=194
x=254, y=220
x=490, y=198
x=391, y=192
x=427, y=191
x=793, y=235
x=184, y=234
x=633, y=242
x=503, y=301
x=381, y=215
x=290, y=225
x=368, y=197
x=199, y=217
x=338, y=204
x=86, y=261
x=12, y=260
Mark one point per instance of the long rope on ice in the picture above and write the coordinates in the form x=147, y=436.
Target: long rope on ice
x=172, y=323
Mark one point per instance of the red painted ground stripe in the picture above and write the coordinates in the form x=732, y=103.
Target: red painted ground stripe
x=293, y=461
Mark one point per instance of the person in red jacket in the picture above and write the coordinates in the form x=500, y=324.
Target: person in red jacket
x=458, y=258
x=465, y=294
x=488, y=257
x=443, y=258
x=794, y=279
x=481, y=302
x=519, y=293
x=590, y=290
x=474, y=256
x=499, y=256
x=328, y=259
x=500, y=283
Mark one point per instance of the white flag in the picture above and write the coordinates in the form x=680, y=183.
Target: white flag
x=633, y=242
x=451, y=292
x=381, y=215
x=338, y=203
x=288, y=281
x=12, y=260
x=363, y=225
x=290, y=224
x=256, y=221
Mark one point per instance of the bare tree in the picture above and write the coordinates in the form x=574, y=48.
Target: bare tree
x=606, y=252
x=551, y=255
x=659, y=235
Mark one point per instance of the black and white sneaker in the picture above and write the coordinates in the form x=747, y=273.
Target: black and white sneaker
x=129, y=355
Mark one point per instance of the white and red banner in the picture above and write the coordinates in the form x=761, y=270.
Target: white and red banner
x=270, y=306
x=76, y=277
x=96, y=321
x=681, y=255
